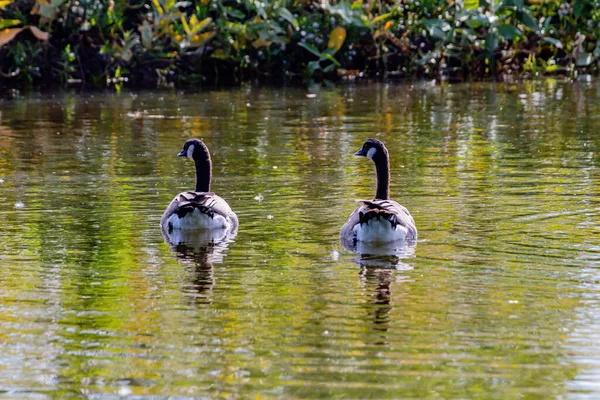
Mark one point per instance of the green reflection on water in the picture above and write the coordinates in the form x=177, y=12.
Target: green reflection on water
x=502, y=181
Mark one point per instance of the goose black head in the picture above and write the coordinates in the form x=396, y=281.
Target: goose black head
x=372, y=148
x=194, y=149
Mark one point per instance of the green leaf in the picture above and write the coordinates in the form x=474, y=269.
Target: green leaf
x=528, y=20
x=554, y=42
x=509, y=32
x=8, y=23
x=491, y=42
x=357, y=5
x=312, y=66
x=470, y=34
x=330, y=58
x=329, y=68
x=425, y=59
x=310, y=48
x=555, y=68
x=471, y=4
x=518, y=4
x=597, y=49
x=584, y=59
x=232, y=12
x=477, y=21
x=581, y=8
x=345, y=11
x=288, y=16
x=436, y=33
x=438, y=23
x=382, y=18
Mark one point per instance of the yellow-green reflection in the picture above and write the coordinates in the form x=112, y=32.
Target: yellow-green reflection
x=502, y=181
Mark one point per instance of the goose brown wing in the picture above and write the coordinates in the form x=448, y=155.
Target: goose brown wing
x=206, y=202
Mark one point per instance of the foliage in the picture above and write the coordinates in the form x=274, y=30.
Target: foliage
x=168, y=43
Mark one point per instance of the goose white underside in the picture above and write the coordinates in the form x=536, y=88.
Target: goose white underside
x=197, y=238
x=379, y=230
x=198, y=220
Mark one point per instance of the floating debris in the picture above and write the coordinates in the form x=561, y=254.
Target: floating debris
x=259, y=198
x=335, y=255
x=19, y=204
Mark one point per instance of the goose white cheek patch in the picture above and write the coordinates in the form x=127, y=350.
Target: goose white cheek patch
x=371, y=152
x=190, y=152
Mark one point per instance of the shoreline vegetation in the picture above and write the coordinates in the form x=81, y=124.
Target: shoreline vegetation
x=164, y=43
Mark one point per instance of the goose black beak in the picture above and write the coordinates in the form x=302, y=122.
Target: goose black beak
x=181, y=154
x=360, y=153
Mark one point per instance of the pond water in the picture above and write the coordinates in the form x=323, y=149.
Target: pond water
x=500, y=298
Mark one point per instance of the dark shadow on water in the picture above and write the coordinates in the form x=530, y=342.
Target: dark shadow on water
x=380, y=264
x=198, y=250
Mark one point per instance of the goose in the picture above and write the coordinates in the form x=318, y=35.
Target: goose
x=380, y=220
x=200, y=209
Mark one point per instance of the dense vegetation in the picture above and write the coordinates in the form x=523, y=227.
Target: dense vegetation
x=167, y=43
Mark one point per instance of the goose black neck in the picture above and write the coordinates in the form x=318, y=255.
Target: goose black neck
x=382, y=166
x=203, y=172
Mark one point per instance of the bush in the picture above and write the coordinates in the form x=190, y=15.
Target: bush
x=167, y=43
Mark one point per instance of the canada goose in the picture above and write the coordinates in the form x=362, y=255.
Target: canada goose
x=199, y=209
x=380, y=220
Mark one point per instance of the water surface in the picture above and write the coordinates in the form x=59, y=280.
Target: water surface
x=500, y=298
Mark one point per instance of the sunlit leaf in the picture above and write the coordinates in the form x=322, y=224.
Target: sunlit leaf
x=9, y=23
x=471, y=4
x=555, y=68
x=156, y=5
x=261, y=43
x=288, y=16
x=336, y=39
x=38, y=33
x=197, y=26
x=509, y=32
x=330, y=58
x=186, y=27
x=7, y=35
x=381, y=18
x=4, y=3
x=201, y=39
x=193, y=22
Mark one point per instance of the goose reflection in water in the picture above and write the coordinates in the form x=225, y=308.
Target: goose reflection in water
x=198, y=250
x=381, y=264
